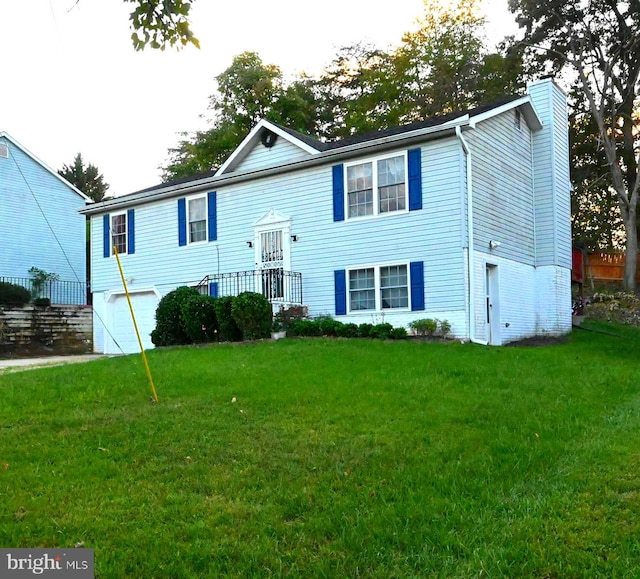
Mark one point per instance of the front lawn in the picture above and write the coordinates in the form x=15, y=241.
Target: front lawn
x=333, y=458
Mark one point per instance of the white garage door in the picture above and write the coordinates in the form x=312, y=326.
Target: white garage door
x=121, y=326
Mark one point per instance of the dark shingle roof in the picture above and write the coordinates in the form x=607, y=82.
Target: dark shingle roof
x=373, y=135
x=354, y=139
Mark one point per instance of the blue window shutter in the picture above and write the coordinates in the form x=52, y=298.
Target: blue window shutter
x=182, y=221
x=131, y=231
x=213, y=289
x=415, y=179
x=416, y=271
x=340, y=279
x=338, y=192
x=106, y=235
x=213, y=215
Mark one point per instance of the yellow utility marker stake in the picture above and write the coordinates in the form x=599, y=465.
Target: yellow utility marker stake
x=135, y=325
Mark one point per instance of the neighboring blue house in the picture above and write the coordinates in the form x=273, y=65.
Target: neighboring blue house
x=40, y=223
x=463, y=217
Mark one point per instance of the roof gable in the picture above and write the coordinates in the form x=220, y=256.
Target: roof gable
x=14, y=143
x=314, y=152
x=264, y=138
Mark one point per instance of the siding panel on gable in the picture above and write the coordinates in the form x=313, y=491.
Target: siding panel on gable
x=260, y=156
x=33, y=202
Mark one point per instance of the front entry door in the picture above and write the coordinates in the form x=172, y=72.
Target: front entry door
x=492, y=305
x=273, y=255
x=271, y=263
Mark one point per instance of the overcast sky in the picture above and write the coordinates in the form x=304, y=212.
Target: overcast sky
x=71, y=81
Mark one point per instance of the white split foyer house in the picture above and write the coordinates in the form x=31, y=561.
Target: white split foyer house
x=463, y=217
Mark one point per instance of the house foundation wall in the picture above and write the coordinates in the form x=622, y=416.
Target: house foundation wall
x=54, y=329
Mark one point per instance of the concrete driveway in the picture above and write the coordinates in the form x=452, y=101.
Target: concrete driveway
x=18, y=364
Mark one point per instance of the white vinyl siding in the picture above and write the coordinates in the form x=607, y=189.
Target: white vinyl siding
x=261, y=156
x=503, y=204
x=551, y=176
x=55, y=243
x=432, y=235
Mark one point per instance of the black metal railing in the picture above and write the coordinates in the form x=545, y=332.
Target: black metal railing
x=277, y=285
x=59, y=292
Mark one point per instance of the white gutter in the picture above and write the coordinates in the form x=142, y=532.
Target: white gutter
x=332, y=155
x=470, y=255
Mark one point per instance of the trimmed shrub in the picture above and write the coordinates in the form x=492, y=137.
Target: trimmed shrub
x=200, y=321
x=305, y=328
x=445, y=328
x=252, y=312
x=328, y=326
x=381, y=331
x=364, y=330
x=347, y=331
x=398, y=334
x=13, y=295
x=170, y=325
x=228, y=330
x=424, y=327
x=42, y=302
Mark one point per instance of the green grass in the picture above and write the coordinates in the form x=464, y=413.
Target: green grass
x=339, y=458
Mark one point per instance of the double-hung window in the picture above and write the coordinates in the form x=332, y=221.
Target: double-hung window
x=119, y=232
x=377, y=186
x=197, y=217
x=378, y=288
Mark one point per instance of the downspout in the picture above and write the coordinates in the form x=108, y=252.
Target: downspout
x=470, y=251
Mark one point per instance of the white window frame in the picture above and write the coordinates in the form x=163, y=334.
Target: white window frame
x=126, y=232
x=378, y=287
x=206, y=219
x=517, y=121
x=375, y=188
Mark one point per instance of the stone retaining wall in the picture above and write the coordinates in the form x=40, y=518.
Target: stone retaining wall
x=62, y=329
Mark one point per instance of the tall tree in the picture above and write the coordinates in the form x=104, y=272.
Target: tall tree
x=441, y=67
x=359, y=92
x=598, y=43
x=444, y=66
x=595, y=211
x=247, y=91
x=85, y=178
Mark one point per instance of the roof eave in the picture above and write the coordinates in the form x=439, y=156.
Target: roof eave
x=333, y=155
x=524, y=104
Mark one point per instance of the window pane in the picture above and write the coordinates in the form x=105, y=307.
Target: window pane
x=391, y=184
x=197, y=209
x=391, y=171
x=360, y=190
x=362, y=295
x=197, y=219
x=197, y=231
x=119, y=232
x=360, y=177
x=394, y=289
x=361, y=203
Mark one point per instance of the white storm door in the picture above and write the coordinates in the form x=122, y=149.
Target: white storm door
x=273, y=257
x=492, y=306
